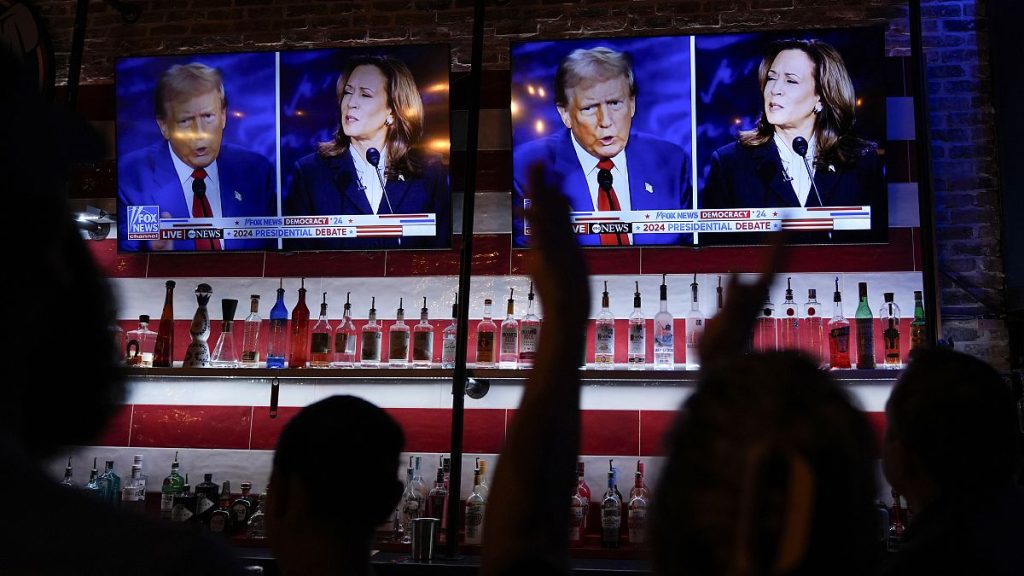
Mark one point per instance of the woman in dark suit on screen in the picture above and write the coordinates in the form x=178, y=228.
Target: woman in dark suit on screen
x=807, y=94
x=372, y=165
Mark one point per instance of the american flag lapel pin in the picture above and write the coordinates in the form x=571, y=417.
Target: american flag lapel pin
x=648, y=187
x=238, y=195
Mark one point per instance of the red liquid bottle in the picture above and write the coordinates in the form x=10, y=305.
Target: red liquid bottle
x=300, y=331
x=163, y=349
x=838, y=334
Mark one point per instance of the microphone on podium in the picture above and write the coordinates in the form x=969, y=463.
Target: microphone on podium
x=800, y=147
x=373, y=157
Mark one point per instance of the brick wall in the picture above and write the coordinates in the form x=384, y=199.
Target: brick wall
x=959, y=91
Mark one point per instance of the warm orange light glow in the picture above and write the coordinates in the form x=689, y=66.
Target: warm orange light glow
x=539, y=127
x=736, y=121
x=434, y=88
x=439, y=144
x=530, y=90
x=238, y=114
x=860, y=101
x=300, y=112
x=541, y=92
x=514, y=108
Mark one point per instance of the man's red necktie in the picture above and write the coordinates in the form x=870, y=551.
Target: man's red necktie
x=607, y=200
x=201, y=208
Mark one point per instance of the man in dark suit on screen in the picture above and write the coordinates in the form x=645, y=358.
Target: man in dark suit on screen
x=193, y=174
x=604, y=165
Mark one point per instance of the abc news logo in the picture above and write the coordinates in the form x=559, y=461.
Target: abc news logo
x=603, y=228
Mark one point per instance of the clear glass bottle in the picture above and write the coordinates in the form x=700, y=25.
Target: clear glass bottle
x=299, y=338
x=133, y=493
x=583, y=489
x=110, y=484
x=251, y=334
x=865, y=323
x=694, y=327
x=529, y=334
x=277, y=337
x=476, y=507
x=664, y=344
x=449, y=337
x=411, y=506
x=637, y=518
x=486, y=331
x=224, y=355
x=838, y=333
x=398, y=340
x=141, y=343
x=369, y=352
x=813, y=330
x=257, y=529
x=436, y=499
x=636, y=351
x=766, y=328
x=172, y=485
x=509, y=352
x=611, y=514
x=423, y=339
x=163, y=348
x=68, y=472
x=789, y=321
x=320, y=339
x=604, y=334
x=419, y=484
x=918, y=324
x=890, y=316
x=577, y=518
x=92, y=486
x=345, y=336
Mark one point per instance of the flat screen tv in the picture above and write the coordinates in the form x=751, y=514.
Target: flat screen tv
x=691, y=140
x=338, y=149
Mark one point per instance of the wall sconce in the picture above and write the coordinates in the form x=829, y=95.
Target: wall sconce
x=95, y=222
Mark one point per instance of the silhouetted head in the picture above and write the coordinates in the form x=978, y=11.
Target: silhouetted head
x=769, y=471
x=951, y=423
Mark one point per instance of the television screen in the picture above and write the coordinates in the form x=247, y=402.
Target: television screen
x=338, y=149
x=697, y=140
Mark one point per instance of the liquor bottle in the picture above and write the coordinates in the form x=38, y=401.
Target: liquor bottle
x=789, y=321
x=766, y=329
x=813, y=329
x=419, y=484
x=243, y=507
x=141, y=342
x=110, y=484
x=117, y=337
x=436, y=499
x=277, y=337
x=890, y=316
x=611, y=514
x=637, y=511
x=604, y=334
x=636, y=347
x=251, y=334
x=133, y=493
x=345, y=336
x=508, y=356
x=838, y=333
x=207, y=496
x=475, y=509
x=577, y=517
x=917, y=325
x=197, y=355
x=172, y=485
x=865, y=329
x=320, y=339
x=224, y=355
x=897, y=526
x=183, y=507
x=257, y=529
x=398, y=340
x=423, y=339
x=449, y=338
x=719, y=297
x=412, y=506
x=144, y=479
x=529, y=333
x=694, y=327
x=163, y=348
x=299, y=338
x=68, y=472
x=369, y=353
x=92, y=487
x=485, y=489
x=583, y=489
x=220, y=521
x=615, y=476
x=639, y=483
x=485, y=333
x=664, y=346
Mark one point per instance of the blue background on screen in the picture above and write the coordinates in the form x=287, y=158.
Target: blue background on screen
x=729, y=97
x=248, y=87
x=661, y=67
x=309, y=105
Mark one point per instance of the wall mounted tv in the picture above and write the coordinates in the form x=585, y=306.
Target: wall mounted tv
x=690, y=140
x=338, y=149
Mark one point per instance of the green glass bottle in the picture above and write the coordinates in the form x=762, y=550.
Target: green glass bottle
x=917, y=325
x=173, y=485
x=865, y=324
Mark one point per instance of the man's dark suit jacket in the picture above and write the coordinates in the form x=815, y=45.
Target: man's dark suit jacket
x=147, y=177
x=659, y=179
x=752, y=177
x=329, y=185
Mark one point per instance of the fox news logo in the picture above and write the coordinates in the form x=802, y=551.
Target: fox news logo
x=143, y=222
